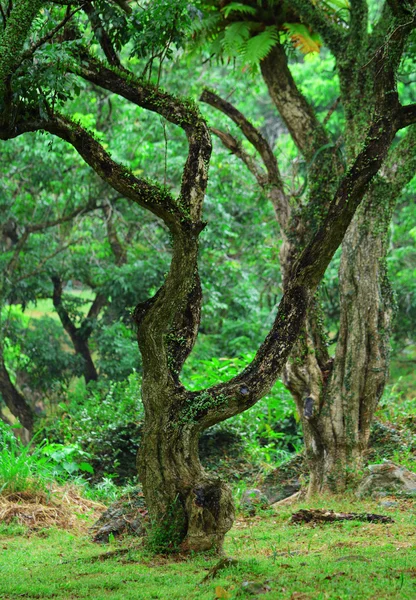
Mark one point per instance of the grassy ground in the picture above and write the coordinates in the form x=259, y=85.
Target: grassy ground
x=274, y=560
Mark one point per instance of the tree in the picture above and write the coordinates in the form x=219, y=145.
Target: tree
x=186, y=505
x=336, y=397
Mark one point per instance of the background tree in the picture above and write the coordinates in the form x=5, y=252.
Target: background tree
x=336, y=396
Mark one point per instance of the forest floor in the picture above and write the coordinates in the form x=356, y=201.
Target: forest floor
x=274, y=560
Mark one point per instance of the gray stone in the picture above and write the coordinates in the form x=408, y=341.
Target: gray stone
x=123, y=516
x=387, y=478
x=253, y=499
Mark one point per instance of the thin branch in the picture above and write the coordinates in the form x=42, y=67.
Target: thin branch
x=252, y=134
x=331, y=111
x=48, y=36
x=235, y=147
x=102, y=35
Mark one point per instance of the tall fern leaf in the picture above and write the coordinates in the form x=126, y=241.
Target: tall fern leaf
x=259, y=46
x=238, y=7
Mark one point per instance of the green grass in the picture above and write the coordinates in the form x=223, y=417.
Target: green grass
x=349, y=560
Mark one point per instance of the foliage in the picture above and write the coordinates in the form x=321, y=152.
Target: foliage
x=103, y=419
x=37, y=465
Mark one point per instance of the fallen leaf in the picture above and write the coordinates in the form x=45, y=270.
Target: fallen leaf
x=220, y=592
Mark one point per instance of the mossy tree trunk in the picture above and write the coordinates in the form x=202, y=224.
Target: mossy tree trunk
x=187, y=506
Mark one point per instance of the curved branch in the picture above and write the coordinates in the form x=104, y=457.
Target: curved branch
x=252, y=134
x=271, y=182
x=147, y=194
x=235, y=148
x=183, y=113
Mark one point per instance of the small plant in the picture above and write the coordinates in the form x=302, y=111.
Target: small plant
x=22, y=468
x=164, y=537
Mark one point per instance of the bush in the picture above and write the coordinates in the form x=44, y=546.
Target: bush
x=102, y=419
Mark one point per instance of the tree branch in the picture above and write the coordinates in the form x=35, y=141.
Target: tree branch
x=271, y=182
x=252, y=134
x=181, y=113
x=147, y=194
x=48, y=36
x=244, y=390
x=407, y=115
x=235, y=147
x=101, y=35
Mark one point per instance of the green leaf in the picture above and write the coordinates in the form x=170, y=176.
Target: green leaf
x=84, y=466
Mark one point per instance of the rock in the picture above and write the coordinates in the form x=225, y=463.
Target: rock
x=285, y=480
x=254, y=587
x=387, y=478
x=388, y=504
x=253, y=499
x=126, y=515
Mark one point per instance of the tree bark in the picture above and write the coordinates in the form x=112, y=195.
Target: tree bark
x=336, y=398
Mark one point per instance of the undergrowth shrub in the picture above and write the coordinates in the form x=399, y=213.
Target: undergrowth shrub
x=22, y=468
x=104, y=420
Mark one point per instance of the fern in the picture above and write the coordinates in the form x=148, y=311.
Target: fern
x=235, y=37
x=238, y=7
x=259, y=46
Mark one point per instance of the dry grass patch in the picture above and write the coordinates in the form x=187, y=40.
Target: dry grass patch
x=62, y=507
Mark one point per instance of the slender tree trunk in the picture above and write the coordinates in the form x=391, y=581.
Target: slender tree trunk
x=79, y=335
x=15, y=402
x=337, y=400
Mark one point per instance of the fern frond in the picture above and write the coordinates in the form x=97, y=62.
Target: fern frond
x=302, y=38
x=235, y=37
x=238, y=7
x=259, y=46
